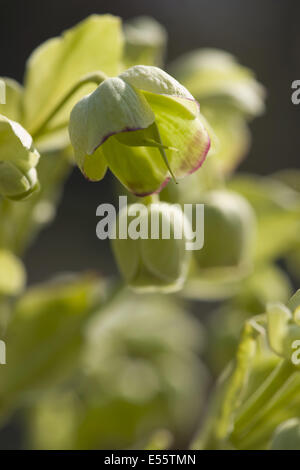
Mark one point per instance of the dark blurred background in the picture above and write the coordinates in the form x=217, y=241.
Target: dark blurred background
x=263, y=34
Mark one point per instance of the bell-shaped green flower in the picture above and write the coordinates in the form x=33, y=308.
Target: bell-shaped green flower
x=228, y=231
x=18, y=159
x=155, y=258
x=143, y=125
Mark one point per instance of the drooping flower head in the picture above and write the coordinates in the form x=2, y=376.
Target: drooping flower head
x=153, y=263
x=18, y=160
x=143, y=125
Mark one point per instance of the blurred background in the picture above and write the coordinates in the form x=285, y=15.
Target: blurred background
x=264, y=36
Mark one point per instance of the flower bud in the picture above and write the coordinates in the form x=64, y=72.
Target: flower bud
x=154, y=258
x=18, y=158
x=228, y=231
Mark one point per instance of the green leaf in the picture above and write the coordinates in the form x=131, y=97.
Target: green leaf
x=140, y=362
x=237, y=387
x=55, y=66
x=45, y=336
x=145, y=42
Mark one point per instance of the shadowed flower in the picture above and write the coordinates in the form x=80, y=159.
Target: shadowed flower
x=18, y=159
x=143, y=125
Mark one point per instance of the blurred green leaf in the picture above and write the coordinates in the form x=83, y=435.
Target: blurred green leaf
x=139, y=374
x=145, y=42
x=56, y=65
x=277, y=208
x=262, y=390
x=44, y=337
x=265, y=284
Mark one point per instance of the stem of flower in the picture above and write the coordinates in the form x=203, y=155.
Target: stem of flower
x=153, y=199
x=95, y=77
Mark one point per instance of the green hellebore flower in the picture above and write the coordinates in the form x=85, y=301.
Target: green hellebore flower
x=228, y=231
x=18, y=159
x=143, y=125
x=148, y=263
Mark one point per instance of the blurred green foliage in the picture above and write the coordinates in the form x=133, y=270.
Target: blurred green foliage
x=92, y=365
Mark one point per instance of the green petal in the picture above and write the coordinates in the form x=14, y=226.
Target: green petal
x=16, y=144
x=13, y=97
x=112, y=108
x=140, y=169
x=18, y=159
x=95, y=166
x=55, y=66
x=154, y=80
x=180, y=129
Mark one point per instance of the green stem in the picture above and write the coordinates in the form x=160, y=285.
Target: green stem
x=96, y=77
x=256, y=403
x=263, y=426
x=152, y=199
